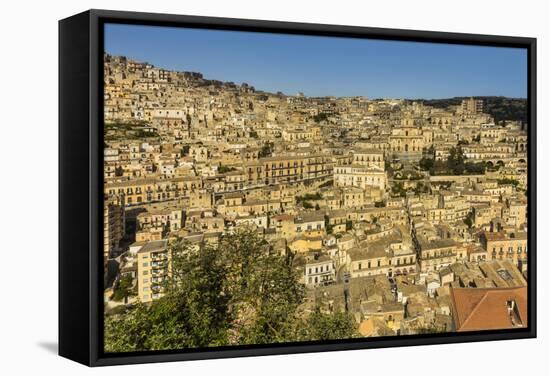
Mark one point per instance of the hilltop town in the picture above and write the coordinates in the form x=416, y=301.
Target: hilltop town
x=409, y=218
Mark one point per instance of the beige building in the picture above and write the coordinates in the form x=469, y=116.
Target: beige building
x=359, y=176
x=289, y=169
x=506, y=246
x=436, y=253
x=407, y=140
x=353, y=197
x=472, y=106
x=152, y=270
x=369, y=157
x=320, y=269
x=389, y=254
x=365, y=262
x=113, y=225
x=195, y=158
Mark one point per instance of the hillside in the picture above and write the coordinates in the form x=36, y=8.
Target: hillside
x=501, y=108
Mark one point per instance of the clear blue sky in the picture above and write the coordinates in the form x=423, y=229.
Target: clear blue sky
x=319, y=66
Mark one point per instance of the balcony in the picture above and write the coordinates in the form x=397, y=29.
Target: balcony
x=158, y=257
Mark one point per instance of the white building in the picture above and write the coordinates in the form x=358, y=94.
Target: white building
x=319, y=270
x=360, y=176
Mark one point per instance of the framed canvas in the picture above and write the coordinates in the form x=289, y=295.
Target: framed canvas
x=236, y=187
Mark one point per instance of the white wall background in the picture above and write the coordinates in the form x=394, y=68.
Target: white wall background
x=28, y=167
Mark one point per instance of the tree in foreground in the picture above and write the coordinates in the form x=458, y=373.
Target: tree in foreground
x=239, y=292
x=320, y=326
x=124, y=288
x=193, y=313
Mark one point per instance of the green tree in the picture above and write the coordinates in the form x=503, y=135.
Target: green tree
x=266, y=150
x=506, y=181
x=193, y=313
x=475, y=168
x=309, y=197
x=421, y=188
x=398, y=189
x=469, y=220
x=238, y=292
x=124, y=288
x=379, y=204
x=119, y=171
x=223, y=169
x=431, y=151
x=455, y=162
x=426, y=164
x=127, y=331
x=321, y=326
x=323, y=116
x=264, y=287
x=197, y=284
x=328, y=226
x=307, y=205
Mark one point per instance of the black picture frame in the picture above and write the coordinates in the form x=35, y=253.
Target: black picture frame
x=81, y=184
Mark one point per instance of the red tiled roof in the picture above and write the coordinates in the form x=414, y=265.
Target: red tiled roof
x=486, y=308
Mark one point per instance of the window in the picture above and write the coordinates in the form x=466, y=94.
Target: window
x=145, y=264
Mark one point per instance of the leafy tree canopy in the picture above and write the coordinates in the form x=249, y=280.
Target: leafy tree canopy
x=238, y=292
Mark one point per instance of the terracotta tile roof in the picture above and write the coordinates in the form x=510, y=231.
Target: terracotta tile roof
x=486, y=308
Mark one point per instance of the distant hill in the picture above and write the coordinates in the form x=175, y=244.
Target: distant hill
x=501, y=108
